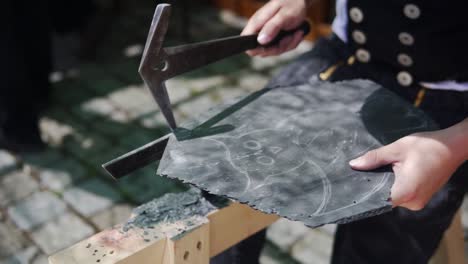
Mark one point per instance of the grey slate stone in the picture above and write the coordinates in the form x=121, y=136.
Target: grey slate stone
x=284, y=233
x=41, y=259
x=11, y=240
x=314, y=248
x=286, y=150
x=61, y=174
x=253, y=82
x=36, y=209
x=16, y=185
x=112, y=216
x=7, y=161
x=91, y=196
x=25, y=256
x=63, y=232
x=273, y=255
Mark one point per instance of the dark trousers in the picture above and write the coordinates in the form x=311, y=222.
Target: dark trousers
x=25, y=64
x=26, y=61
x=400, y=236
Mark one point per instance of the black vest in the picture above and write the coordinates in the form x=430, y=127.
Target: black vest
x=418, y=40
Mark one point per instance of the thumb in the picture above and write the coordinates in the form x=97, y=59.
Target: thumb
x=374, y=159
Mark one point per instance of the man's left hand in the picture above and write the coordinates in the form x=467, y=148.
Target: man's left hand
x=422, y=163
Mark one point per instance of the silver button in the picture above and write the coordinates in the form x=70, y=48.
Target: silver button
x=359, y=37
x=356, y=15
x=363, y=55
x=405, y=59
x=412, y=11
x=404, y=78
x=406, y=38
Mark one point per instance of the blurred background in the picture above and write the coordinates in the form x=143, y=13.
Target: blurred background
x=94, y=107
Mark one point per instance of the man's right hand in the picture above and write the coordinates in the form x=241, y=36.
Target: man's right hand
x=273, y=17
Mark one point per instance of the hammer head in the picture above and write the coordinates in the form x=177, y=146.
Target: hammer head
x=155, y=38
x=153, y=61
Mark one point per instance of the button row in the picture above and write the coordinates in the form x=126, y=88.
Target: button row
x=359, y=37
x=404, y=78
x=363, y=55
x=405, y=38
x=411, y=11
x=404, y=59
x=356, y=15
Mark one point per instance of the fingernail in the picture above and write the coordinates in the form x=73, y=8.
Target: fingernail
x=355, y=162
x=263, y=38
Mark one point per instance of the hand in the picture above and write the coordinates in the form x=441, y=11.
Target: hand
x=422, y=163
x=274, y=16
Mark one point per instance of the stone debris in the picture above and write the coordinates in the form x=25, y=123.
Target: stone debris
x=170, y=208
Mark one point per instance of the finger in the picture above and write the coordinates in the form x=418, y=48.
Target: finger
x=284, y=44
x=256, y=52
x=375, y=158
x=298, y=36
x=401, y=193
x=414, y=205
x=278, y=49
x=258, y=20
x=272, y=28
x=270, y=51
x=406, y=192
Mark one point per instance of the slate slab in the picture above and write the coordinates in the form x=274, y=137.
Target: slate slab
x=286, y=150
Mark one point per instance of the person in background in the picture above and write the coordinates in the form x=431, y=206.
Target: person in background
x=26, y=62
x=25, y=65
x=416, y=49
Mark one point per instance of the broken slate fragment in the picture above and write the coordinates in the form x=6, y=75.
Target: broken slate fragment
x=286, y=150
x=169, y=208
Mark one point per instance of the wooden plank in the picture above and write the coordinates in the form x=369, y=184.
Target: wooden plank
x=233, y=224
x=193, y=247
x=111, y=246
x=167, y=243
x=158, y=252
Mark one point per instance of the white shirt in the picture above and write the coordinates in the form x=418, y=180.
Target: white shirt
x=339, y=28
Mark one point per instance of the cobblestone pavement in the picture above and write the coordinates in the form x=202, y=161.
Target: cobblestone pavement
x=51, y=200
